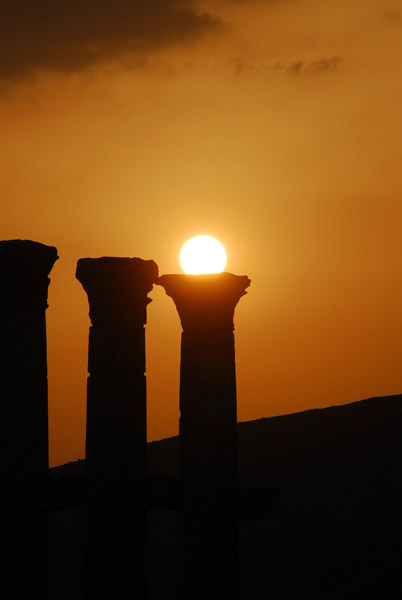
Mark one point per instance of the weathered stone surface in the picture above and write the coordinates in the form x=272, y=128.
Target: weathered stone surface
x=26, y=254
x=116, y=348
x=117, y=291
x=116, y=441
x=207, y=431
x=24, y=463
x=117, y=288
x=116, y=447
x=24, y=269
x=208, y=448
x=205, y=302
x=24, y=426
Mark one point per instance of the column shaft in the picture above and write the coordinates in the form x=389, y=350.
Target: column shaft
x=24, y=463
x=208, y=432
x=116, y=402
x=116, y=444
x=208, y=418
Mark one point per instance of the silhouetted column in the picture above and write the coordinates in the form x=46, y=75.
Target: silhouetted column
x=116, y=440
x=24, y=270
x=207, y=432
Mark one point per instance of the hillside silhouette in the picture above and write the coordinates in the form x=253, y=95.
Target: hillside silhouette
x=336, y=528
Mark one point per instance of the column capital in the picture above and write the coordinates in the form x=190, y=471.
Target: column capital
x=24, y=269
x=205, y=302
x=117, y=288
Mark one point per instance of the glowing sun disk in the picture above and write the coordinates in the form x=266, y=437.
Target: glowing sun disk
x=202, y=254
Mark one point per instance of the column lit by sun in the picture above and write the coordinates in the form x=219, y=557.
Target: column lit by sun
x=202, y=254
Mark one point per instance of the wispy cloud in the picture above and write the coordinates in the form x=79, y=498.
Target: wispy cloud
x=316, y=66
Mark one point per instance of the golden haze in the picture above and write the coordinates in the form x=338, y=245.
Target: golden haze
x=277, y=131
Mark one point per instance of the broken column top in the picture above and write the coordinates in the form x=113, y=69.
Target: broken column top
x=27, y=255
x=205, y=302
x=24, y=269
x=117, y=287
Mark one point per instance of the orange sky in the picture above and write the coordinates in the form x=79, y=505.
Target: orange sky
x=272, y=125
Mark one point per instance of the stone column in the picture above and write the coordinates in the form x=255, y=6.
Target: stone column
x=116, y=442
x=24, y=270
x=207, y=431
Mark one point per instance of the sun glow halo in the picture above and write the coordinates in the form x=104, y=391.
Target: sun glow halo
x=202, y=254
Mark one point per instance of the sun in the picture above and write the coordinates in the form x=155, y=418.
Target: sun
x=202, y=254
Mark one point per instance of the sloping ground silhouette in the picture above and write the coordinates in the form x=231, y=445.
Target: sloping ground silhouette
x=337, y=522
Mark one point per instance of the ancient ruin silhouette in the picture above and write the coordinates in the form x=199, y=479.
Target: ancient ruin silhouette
x=116, y=438
x=336, y=527
x=207, y=431
x=24, y=270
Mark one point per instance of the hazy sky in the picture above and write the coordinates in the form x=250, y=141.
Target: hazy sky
x=276, y=126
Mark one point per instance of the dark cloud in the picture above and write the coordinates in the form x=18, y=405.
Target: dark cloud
x=65, y=35
x=256, y=1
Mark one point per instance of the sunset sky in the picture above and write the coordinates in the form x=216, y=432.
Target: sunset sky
x=127, y=127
